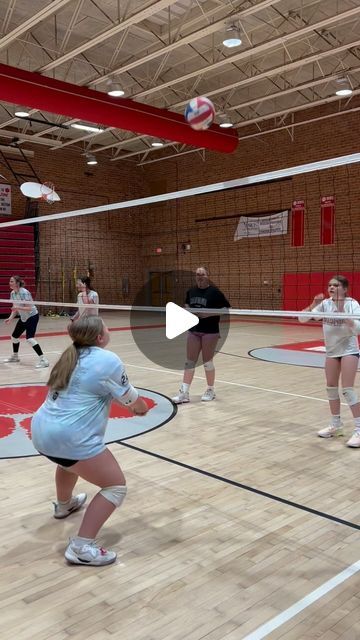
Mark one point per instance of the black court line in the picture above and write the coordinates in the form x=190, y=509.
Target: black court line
x=234, y=483
x=235, y=355
x=258, y=359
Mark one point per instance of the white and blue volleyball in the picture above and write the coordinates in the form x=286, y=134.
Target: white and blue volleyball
x=200, y=113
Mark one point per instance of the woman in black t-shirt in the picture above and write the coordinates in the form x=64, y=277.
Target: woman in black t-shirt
x=204, y=336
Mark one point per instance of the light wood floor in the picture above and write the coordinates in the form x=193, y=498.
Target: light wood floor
x=199, y=557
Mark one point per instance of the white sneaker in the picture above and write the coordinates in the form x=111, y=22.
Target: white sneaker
x=181, y=398
x=64, y=510
x=89, y=554
x=331, y=431
x=208, y=395
x=43, y=362
x=354, y=440
x=13, y=358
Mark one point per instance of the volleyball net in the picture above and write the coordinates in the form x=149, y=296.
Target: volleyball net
x=270, y=241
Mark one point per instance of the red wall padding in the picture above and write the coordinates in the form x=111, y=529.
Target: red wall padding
x=299, y=289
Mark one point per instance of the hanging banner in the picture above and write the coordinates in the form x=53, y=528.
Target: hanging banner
x=5, y=200
x=255, y=226
x=297, y=223
x=327, y=226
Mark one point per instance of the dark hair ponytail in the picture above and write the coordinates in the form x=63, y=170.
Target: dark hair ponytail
x=19, y=281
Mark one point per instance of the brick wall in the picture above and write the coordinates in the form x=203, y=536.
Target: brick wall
x=251, y=271
x=109, y=242
x=121, y=244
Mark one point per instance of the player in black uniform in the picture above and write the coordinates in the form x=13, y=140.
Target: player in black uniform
x=204, y=336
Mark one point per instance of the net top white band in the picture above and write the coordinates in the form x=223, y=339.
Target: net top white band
x=277, y=313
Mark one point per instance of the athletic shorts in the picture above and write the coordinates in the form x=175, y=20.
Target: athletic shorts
x=201, y=334
x=63, y=462
x=29, y=326
x=357, y=355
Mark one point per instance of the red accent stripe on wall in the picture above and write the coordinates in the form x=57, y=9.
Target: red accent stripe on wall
x=297, y=223
x=327, y=223
x=55, y=96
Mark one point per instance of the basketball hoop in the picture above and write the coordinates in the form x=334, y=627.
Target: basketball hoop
x=44, y=191
x=48, y=192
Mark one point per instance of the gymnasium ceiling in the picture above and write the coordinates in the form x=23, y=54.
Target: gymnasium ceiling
x=293, y=55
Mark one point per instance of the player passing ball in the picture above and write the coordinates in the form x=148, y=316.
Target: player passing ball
x=69, y=429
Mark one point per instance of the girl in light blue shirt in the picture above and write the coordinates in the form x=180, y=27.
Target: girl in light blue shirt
x=69, y=429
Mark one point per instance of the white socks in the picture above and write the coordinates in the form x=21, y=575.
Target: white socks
x=79, y=542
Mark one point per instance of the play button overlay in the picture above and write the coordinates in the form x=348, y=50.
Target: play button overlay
x=161, y=336
x=178, y=320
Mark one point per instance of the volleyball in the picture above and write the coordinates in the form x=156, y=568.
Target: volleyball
x=200, y=113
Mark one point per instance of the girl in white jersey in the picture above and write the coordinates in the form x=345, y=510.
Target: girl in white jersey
x=86, y=296
x=69, y=429
x=22, y=305
x=342, y=354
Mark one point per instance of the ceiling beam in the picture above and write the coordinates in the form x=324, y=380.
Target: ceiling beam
x=89, y=44
x=46, y=12
x=55, y=96
x=256, y=50
x=195, y=35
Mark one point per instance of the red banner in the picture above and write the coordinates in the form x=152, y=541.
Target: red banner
x=327, y=225
x=297, y=223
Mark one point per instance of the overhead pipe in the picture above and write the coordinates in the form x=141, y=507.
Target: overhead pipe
x=55, y=96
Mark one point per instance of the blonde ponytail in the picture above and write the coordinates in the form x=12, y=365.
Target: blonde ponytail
x=84, y=333
x=61, y=372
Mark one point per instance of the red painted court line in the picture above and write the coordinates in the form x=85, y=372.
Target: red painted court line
x=300, y=346
x=46, y=334
x=279, y=322
x=64, y=333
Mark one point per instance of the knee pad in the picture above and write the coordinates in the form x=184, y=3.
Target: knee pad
x=15, y=340
x=115, y=495
x=209, y=366
x=190, y=364
x=350, y=395
x=332, y=393
x=32, y=341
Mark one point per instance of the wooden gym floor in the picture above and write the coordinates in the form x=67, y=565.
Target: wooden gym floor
x=239, y=522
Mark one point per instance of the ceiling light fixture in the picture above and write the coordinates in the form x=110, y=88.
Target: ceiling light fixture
x=157, y=143
x=90, y=159
x=232, y=37
x=343, y=87
x=86, y=127
x=225, y=121
x=21, y=112
x=115, y=90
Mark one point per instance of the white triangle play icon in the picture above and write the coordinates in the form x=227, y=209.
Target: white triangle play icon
x=178, y=320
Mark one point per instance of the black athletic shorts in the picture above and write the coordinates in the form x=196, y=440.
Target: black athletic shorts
x=63, y=462
x=357, y=355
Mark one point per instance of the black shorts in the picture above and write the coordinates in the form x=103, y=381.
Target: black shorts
x=29, y=326
x=63, y=462
x=357, y=355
